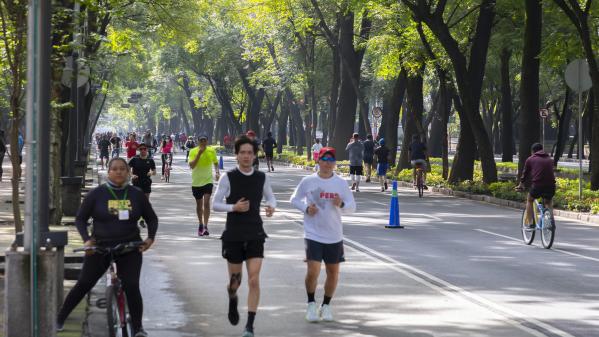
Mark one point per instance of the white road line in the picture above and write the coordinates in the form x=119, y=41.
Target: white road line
x=515, y=318
x=554, y=249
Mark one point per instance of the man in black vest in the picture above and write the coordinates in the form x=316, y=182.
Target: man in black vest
x=243, y=238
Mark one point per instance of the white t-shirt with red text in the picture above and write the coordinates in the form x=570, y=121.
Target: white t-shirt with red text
x=325, y=226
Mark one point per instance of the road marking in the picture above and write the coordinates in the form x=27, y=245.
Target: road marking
x=554, y=249
x=527, y=324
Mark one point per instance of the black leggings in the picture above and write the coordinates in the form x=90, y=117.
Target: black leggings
x=165, y=157
x=94, y=267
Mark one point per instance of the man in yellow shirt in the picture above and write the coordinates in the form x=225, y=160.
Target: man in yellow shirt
x=201, y=160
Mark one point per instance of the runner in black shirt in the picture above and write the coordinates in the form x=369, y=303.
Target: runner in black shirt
x=382, y=157
x=268, y=146
x=115, y=141
x=142, y=168
x=103, y=146
x=368, y=156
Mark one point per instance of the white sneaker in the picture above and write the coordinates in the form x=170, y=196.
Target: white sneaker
x=312, y=312
x=325, y=313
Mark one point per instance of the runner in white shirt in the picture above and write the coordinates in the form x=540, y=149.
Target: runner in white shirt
x=323, y=197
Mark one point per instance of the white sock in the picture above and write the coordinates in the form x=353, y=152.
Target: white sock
x=353, y=177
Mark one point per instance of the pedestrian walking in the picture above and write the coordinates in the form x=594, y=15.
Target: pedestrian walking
x=115, y=143
x=142, y=169
x=131, y=147
x=268, y=146
x=2, y=151
x=189, y=144
x=323, y=197
x=369, y=156
x=382, y=157
x=316, y=147
x=243, y=189
x=355, y=148
x=201, y=160
x=115, y=208
x=104, y=148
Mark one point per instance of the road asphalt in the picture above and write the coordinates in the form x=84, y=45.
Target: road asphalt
x=459, y=268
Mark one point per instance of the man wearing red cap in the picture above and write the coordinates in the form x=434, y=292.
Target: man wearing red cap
x=323, y=197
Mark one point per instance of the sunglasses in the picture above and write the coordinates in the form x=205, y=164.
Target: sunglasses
x=143, y=149
x=330, y=159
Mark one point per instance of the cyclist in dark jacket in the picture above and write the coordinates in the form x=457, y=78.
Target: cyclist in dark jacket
x=115, y=208
x=538, y=174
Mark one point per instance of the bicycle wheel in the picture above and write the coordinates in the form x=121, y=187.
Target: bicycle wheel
x=115, y=315
x=420, y=184
x=548, y=230
x=528, y=234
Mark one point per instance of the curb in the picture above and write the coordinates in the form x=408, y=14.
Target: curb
x=591, y=219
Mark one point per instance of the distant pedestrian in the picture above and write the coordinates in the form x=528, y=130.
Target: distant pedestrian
x=418, y=156
x=104, y=149
x=268, y=146
x=115, y=143
x=189, y=144
x=382, y=157
x=244, y=236
x=355, y=148
x=131, y=147
x=2, y=151
x=202, y=159
x=142, y=169
x=369, y=156
x=315, y=151
x=323, y=197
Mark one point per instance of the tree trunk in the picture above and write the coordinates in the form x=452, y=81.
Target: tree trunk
x=469, y=77
x=282, y=127
x=462, y=167
x=391, y=111
x=333, y=100
x=563, y=128
x=507, y=128
x=414, y=119
x=529, y=87
x=350, y=71
x=183, y=116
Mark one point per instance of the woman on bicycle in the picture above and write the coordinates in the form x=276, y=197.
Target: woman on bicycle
x=166, y=149
x=115, y=208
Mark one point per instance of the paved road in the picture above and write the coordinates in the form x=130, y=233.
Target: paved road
x=458, y=269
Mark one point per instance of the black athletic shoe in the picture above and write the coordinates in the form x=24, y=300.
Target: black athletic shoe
x=386, y=186
x=206, y=232
x=233, y=313
x=201, y=230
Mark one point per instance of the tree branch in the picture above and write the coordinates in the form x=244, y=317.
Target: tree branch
x=330, y=37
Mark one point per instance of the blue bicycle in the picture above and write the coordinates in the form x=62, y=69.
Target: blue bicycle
x=543, y=222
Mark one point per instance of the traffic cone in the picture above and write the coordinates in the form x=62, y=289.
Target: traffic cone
x=394, y=209
x=221, y=164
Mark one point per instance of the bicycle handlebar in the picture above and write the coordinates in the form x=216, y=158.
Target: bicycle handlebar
x=120, y=248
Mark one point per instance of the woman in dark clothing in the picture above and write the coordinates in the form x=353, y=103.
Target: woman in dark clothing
x=115, y=208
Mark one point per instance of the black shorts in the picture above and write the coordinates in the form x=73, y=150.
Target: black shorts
x=331, y=253
x=144, y=185
x=368, y=160
x=357, y=170
x=238, y=251
x=104, y=154
x=545, y=192
x=268, y=155
x=199, y=191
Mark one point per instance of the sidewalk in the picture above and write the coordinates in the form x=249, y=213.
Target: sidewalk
x=73, y=326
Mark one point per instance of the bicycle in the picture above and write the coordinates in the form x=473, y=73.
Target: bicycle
x=420, y=179
x=543, y=222
x=117, y=310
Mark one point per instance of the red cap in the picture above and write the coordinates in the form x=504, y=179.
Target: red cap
x=326, y=150
x=250, y=133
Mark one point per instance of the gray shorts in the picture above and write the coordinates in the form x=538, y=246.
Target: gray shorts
x=330, y=253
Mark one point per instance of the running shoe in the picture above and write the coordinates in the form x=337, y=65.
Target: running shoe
x=382, y=189
x=141, y=333
x=201, y=230
x=312, y=312
x=247, y=333
x=357, y=189
x=325, y=313
x=367, y=180
x=206, y=231
x=386, y=186
x=233, y=313
x=59, y=326
x=353, y=186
